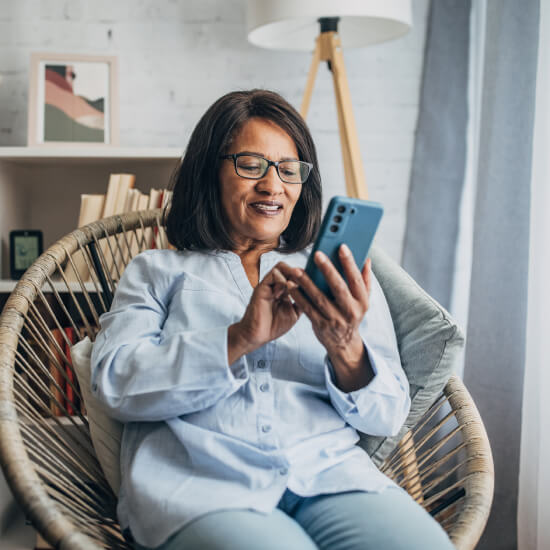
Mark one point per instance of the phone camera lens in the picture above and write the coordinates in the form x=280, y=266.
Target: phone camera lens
x=341, y=209
x=337, y=219
x=334, y=228
x=352, y=211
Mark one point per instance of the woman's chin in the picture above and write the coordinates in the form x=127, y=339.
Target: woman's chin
x=268, y=230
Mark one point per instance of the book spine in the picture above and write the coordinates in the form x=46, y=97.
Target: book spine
x=69, y=392
x=56, y=365
x=81, y=335
x=91, y=208
x=127, y=182
x=156, y=240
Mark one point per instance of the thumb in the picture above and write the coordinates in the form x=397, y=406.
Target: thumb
x=271, y=284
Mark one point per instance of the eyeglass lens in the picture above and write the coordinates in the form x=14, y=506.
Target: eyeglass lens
x=290, y=171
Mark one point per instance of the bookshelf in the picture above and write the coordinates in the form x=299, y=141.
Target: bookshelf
x=40, y=187
x=7, y=285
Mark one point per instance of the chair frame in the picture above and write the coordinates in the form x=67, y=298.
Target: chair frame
x=444, y=462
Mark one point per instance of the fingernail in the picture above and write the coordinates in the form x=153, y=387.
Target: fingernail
x=345, y=249
x=321, y=256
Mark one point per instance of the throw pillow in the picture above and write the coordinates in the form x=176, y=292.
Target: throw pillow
x=106, y=433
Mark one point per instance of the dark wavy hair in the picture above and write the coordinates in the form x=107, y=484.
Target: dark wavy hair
x=194, y=219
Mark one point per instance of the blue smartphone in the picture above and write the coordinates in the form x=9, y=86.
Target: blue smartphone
x=350, y=221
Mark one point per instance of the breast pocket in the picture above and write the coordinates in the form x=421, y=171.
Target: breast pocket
x=200, y=308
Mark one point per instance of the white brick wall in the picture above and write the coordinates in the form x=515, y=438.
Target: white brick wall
x=177, y=56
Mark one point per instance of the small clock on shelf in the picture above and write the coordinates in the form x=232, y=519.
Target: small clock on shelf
x=25, y=247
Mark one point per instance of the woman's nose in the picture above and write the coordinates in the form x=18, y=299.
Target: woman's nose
x=271, y=182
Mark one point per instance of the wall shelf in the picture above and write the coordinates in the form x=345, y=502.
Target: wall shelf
x=7, y=286
x=40, y=187
x=82, y=153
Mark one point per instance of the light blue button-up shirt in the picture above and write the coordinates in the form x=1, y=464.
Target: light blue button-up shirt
x=201, y=435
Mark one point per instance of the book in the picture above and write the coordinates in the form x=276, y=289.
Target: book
x=135, y=237
x=166, y=202
x=143, y=202
x=35, y=373
x=110, y=197
x=71, y=402
x=126, y=242
x=91, y=209
x=167, y=197
x=126, y=182
x=41, y=543
x=155, y=198
x=56, y=364
x=115, y=199
x=109, y=209
x=151, y=233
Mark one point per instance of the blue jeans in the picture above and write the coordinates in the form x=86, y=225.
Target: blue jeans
x=356, y=520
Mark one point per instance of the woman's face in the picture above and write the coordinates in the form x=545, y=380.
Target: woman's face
x=258, y=211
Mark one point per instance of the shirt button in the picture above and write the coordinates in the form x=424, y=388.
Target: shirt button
x=266, y=428
x=264, y=387
x=261, y=363
x=283, y=471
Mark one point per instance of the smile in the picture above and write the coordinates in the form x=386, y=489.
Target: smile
x=267, y=208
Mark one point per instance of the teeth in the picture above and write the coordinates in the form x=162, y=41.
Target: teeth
x=266, y=207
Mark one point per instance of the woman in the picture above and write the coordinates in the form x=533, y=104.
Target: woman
x=241, y=386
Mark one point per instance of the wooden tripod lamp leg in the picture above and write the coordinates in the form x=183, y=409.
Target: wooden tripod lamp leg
x=355, y=175
x=328, y=48
x=316, y=59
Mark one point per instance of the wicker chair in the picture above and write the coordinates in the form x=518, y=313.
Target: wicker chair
x=48, y=459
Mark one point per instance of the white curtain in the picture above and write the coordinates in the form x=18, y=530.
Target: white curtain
x=460, y=295
x=534, y=487
x=494, y=249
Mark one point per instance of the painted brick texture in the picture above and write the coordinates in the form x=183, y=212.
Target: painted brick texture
x=177, y=56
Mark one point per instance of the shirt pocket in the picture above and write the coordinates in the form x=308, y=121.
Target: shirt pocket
x=196, y=308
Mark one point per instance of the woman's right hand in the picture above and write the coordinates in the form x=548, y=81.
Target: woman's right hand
x=269, y=314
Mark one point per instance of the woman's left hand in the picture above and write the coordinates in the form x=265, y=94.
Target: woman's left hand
x=336, y=322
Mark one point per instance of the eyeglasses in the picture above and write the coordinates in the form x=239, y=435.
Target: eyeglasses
x=255, y=167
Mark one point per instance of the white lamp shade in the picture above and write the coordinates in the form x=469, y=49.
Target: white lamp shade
x=293, y=24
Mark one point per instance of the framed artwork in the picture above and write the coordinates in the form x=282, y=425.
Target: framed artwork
x=73, y=100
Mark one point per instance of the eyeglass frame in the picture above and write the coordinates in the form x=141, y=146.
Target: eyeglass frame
x=270, y=163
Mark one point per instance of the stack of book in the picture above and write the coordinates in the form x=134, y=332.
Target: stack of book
x=63, y=394
x=121, y=197
x=47, y=369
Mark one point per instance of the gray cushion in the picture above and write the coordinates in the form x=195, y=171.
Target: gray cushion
x=429, y=341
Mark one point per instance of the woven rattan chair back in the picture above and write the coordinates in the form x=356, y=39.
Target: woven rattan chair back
x=45, y=446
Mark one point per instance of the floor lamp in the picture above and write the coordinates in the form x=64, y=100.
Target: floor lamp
x=324, y=25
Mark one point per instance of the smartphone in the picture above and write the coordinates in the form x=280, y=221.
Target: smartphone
x=347, y=221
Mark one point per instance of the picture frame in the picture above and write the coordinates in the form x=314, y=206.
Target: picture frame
x=26, y=245
x=73, y=100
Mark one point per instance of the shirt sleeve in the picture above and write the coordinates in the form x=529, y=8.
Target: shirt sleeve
x=381, y=407
x=141, y=374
